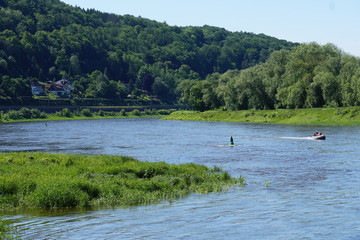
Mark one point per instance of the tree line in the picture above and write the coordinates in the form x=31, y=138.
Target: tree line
x=308, y=76
x=112, y=56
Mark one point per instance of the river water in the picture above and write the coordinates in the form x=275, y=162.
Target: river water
x=297, y=188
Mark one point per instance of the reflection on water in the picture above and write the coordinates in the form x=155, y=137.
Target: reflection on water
x=297, y=188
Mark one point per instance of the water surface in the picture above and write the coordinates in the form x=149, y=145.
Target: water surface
x=297, y=188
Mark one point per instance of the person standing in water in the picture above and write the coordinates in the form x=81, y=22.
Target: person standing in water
x=231, y=141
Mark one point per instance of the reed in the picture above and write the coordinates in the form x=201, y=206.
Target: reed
x=42, y=180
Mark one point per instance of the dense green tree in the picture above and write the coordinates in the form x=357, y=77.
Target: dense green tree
x=145, y=79
x=48, y=39
x=309, y=75
x=349, y=67
x=183, y=90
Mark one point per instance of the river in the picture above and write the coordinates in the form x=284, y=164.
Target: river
x=297, y=188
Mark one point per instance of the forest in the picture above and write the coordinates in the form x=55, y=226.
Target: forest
x=307, y=76
x=113, y=57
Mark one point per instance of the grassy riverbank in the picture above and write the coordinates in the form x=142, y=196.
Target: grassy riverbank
x=41, y=180
x=320, y=116
x=32, y=115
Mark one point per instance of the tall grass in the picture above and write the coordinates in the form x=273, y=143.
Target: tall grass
x=41, y=180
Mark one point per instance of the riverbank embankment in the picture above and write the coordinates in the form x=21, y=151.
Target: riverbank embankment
x=314, y=116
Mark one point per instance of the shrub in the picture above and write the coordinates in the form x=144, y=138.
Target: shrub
x=14, y=115
x=123, y=112
x=86, y=112
x=101, y=113
x=43, y=115
x=5, y=117
x=25, y=112
x=136, y=112
x=166, y=111
x=35, y=113
x=65, y=112
x=77, y=113
x=147, y=112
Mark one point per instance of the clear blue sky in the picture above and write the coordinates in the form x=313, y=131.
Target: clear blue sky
x=321, y=21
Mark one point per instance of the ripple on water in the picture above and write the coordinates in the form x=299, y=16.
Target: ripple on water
x=297, y=188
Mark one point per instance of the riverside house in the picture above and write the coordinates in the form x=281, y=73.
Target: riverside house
x=61, y=88
x=37, y=89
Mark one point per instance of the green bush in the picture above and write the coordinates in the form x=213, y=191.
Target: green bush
x=166, y=111
x=65, y=112
x=77, y=113
x=123, y=112
x=86, y=112
x=101, y=113
x=36, y=113
x=136, y=112
x=25, y=112
x=14, y=115
x=147, y=112
x=163, y=112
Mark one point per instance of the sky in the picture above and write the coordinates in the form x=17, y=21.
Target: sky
x=302, y=21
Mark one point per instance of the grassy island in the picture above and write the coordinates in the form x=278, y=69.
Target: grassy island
x=41, y=180
x=314, y=116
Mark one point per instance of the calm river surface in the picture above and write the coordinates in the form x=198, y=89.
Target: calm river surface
x=297, y=188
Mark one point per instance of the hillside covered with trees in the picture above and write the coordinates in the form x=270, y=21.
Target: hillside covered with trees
x=108, y=56
x=308, y=76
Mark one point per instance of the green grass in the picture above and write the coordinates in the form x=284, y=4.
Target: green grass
x=41, y=180
x=315, y=116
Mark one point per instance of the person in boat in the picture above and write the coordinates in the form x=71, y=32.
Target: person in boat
x=231, y=141
x=317, y=134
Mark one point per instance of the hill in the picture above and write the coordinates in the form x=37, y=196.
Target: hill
x=113, y=57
